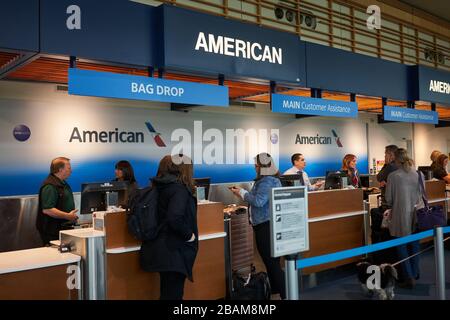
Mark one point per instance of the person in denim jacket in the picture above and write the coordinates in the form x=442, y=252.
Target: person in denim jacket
x=258, y=200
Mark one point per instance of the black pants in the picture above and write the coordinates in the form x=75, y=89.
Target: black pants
x=274, y=271
x=171, y=285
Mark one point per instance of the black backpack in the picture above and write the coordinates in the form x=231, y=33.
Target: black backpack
x=142, y=218
x=254, y=286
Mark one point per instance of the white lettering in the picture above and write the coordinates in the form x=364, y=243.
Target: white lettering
x=73, y=22
x=254, y=56
x=229, y=45
x=201, y=42
x=374, y=21
x=439, y=86
x=215, y=46
x=184, y=146
x=238, y=48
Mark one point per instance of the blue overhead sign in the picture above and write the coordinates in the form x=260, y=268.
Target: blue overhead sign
x=119, y=31
x=339, y=70
x=410, y=115
x=432, y=85
x=114, y=85
x=313, y=106
x=205, y=43
x=19, y=25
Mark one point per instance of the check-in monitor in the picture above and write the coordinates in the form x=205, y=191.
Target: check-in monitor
x=427, y=172
x=336, y=180
x=98, y=196
x=203, y=183
x=290, y=180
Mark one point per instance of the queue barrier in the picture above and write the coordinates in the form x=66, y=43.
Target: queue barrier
x=437, y=233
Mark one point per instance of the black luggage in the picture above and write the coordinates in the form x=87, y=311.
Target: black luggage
x=245, y=282
x=254, y=286
x=379, y=234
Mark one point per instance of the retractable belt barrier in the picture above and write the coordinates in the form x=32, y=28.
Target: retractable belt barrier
x=326, y=258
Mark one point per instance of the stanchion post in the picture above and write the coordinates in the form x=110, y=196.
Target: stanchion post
x=439, y=260
x=291, y=277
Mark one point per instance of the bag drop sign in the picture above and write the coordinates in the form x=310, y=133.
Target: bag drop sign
x=114, y=85
x=289, y=229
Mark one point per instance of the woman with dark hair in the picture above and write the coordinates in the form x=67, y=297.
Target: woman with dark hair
x=433, y=157
x=258, y=200
x=124, y=172
x=174, y=250
x=349, y=165
x=440, y=169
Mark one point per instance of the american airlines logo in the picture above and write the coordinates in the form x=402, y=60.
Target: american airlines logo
x=319, y=139
x=115, y=136
x=156, y=135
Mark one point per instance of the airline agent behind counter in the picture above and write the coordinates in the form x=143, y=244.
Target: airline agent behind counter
x=298, y=167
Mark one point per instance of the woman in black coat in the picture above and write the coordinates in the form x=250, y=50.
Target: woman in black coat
x=173, y=252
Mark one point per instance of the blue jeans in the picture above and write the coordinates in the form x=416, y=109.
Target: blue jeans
x=410, y=267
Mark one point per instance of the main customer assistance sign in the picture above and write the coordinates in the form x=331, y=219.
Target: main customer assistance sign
x=114, y=85
x=313, y=106
x=410, y=115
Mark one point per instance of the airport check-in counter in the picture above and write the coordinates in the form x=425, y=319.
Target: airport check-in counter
x=110, y=259
x=336, y=223
x=39, y=274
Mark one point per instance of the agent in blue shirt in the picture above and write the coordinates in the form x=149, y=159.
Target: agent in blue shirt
x=258, y=200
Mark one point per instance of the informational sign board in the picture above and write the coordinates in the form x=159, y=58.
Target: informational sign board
x=410, y=115
x=313, y=106
x=289, y=230
x=114, y=85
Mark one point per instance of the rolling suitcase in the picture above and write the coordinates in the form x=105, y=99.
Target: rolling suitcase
x=244, y=283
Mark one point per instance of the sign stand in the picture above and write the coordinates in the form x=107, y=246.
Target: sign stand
x=289, y=231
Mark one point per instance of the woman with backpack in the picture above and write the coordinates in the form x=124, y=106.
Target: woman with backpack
x=172, y=253
x=258, y=199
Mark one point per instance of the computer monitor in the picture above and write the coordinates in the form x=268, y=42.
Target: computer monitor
x=336, y=180
x=205, y=183
x=98, y=196
x=290, y=180
x=427, y=172
x=365, y=180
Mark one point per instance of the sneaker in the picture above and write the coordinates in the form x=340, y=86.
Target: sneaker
x=407, y=284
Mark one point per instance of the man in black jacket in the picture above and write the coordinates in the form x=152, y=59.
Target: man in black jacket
x=56, y=203
x=388, y=168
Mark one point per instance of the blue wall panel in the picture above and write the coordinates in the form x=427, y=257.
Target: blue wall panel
x=339, y=70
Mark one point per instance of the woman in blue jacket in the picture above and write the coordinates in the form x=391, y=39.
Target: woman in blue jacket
x=258, y=200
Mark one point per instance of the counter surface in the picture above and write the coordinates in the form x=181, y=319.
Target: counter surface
x=22, y=260
x=84, y=233
x=137, y=248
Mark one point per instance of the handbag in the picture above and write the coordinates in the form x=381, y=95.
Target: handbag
x=429, y=217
